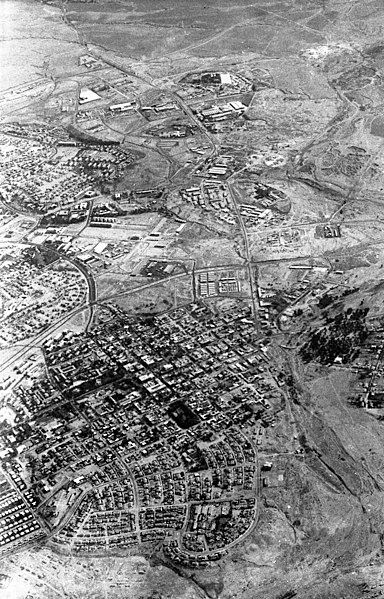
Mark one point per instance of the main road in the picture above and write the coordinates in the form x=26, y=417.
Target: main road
x=89, y=305
x=93, y=301
x=251, y=267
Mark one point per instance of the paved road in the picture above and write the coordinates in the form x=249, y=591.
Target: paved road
x=249, y=263
x=113, y=296
x=94, y=301
x=179, y=101
x=91, y=301
x=41, y=337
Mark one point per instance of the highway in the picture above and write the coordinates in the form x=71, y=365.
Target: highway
x=94, y=300
x=40, y=337
x=179, y=101
x=251, y=267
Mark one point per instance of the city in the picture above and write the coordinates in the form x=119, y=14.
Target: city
x=191, y=300
x=139, y=429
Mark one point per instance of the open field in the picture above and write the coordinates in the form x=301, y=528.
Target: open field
x=164, y=296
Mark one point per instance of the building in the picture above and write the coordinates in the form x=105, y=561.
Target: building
x=87, y=95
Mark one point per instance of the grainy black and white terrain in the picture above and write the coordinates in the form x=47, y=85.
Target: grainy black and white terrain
x=192, y=299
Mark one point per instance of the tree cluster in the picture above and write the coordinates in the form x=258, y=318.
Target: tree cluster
x=341, y=337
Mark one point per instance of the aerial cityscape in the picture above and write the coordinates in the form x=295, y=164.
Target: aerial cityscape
x=191, y=299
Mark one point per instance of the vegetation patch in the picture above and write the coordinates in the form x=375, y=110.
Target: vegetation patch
x=339, y=340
